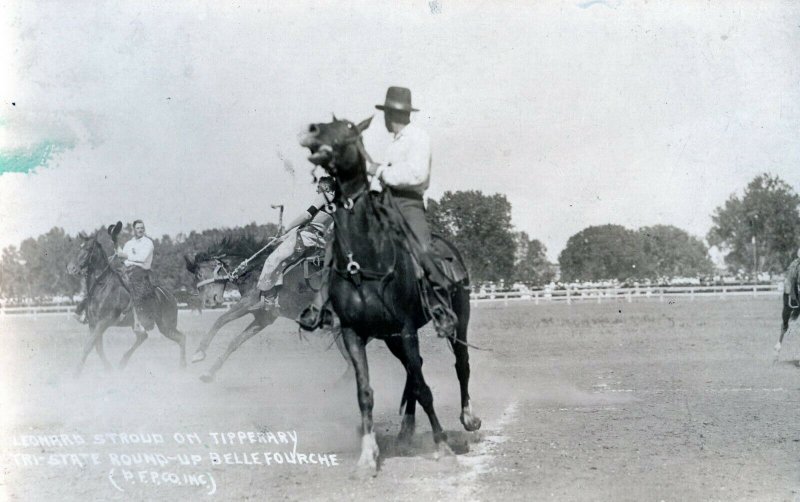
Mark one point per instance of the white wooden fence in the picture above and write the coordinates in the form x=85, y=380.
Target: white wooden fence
x=597, y=295
x=611, y=294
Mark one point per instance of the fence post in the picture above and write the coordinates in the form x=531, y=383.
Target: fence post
x=569, y=300
x=691, y=292
x=661, y=295
x=536, y=298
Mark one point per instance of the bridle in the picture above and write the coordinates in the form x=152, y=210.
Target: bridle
x=352, y=270
x=216, y=276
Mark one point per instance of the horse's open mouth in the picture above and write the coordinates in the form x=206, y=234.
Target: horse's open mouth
x=321, y=153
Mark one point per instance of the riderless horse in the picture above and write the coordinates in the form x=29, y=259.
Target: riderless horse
x=110, y=303
x=214, y=270
x=374, y=287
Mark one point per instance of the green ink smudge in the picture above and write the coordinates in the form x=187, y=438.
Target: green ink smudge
x=25, y=160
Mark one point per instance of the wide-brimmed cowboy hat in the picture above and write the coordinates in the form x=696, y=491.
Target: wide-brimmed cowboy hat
x=398, y=99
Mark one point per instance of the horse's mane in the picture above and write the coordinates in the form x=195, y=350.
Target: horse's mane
x=237, y=246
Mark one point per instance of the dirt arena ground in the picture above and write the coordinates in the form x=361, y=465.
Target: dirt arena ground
x=679, y=400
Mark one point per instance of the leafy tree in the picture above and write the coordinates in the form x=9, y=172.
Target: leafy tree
x=480, y=227
x=12, y=274
x=764, y=222
x=672, y=252
x=530, y=263
x=602, y=253
x=46, y=259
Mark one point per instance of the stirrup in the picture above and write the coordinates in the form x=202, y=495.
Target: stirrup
x=444, y=320
x=313, y=317
x=265, y=303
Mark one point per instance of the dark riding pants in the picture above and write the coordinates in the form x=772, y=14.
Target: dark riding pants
x=144, y=295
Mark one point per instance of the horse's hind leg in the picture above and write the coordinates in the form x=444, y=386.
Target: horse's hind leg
x=141, y=336
x=356, y=348
x=261, y=321
x=236, y=311
x=179, y=338
x=408, y=404
x=421, y=390
x=461, y=350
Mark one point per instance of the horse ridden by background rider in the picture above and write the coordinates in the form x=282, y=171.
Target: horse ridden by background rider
x=406, y=173
x=123, y=297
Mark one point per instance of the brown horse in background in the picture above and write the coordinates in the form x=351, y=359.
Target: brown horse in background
x=209, y=267
x=110, y=304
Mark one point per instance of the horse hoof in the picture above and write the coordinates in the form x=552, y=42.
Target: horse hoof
x=363, y=473
x=207, y=378
x=470, y=422
x=777, y=347
x=198, y=356
x=443, y=451
x=407, y=429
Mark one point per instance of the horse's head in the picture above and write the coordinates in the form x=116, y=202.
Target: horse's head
x=88, y=255
x=337, y=147
x=210, y=277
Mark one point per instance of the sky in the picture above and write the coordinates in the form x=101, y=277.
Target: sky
x=186, y=114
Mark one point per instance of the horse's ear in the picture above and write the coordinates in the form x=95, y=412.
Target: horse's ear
x=334, y=117
x=364, y=124
x=191, y=266
x=83, y=235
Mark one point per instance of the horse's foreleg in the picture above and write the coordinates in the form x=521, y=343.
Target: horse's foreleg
x=356, y=349
x=261, y=321
x=100, y=349
x=141, y=336
x=349, y=374
x=94, y=333
x=236, y=311
x=179, y=338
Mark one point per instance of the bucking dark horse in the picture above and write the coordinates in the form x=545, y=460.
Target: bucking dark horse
x=374, y=287
x=211, y=268
x=110, y=304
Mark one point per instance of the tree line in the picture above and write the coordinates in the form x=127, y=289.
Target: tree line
x=758, y=231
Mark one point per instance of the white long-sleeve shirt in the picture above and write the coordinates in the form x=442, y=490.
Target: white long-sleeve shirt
x=140, y=252
x=407, y=164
